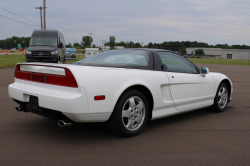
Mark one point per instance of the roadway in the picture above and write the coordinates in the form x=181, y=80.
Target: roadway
x=195, y=138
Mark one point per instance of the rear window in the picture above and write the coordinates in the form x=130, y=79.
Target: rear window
x=119, y=58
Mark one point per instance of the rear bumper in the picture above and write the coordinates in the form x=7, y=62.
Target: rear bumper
x=71, y=102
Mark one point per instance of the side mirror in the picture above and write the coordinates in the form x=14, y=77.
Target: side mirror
x=27, y=44
x=204, y=71
x=60, y=45
x=164, y=67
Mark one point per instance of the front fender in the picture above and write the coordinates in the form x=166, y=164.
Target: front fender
x=218, y=79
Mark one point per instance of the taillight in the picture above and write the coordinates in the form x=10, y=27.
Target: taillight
x=63, y=80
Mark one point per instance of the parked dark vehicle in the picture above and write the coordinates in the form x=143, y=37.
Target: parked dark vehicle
x=46, y=46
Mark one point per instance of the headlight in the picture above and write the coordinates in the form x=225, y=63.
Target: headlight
x=54, y=52
x=28, y=52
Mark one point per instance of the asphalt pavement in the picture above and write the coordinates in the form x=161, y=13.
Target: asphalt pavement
x=195, y=138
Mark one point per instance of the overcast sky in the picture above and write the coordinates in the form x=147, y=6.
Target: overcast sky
x=212, y=22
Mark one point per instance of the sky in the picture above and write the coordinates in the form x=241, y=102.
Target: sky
x=156, y=21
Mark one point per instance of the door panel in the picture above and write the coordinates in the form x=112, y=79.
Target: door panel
x=191, y=90
x=188, y=88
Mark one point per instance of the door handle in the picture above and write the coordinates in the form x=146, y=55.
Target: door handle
x=172, y=76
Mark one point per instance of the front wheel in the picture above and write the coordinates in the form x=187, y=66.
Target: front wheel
x=130, y=114
x=221, y=98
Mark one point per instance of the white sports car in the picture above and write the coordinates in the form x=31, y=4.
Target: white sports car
x=125, y=88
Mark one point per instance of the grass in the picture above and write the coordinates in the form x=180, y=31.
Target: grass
x=78, y=57
x=219, y=61
x=11, y=60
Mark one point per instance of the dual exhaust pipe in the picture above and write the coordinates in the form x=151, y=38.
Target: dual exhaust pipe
x=18, y=108
x=60, y=123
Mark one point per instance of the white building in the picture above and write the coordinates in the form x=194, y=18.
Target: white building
x=223, y=53
x=107, y=48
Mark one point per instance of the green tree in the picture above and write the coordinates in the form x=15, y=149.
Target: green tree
x=9, y=42
x=199, y=52
x=156, y=45
x=131, y=44
x=112, y=42
x=77, y=45
x=69, y=45
x=150, y=45
x=86, y=41
x=122, y=43
x=183, y=51
x=137, y=45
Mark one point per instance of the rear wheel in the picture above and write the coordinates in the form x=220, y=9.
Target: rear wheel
x=130, y=114
x=221, y=98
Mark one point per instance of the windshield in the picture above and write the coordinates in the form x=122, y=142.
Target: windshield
x=43, y=41
x=117, y=58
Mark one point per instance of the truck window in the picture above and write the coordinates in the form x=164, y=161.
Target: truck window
x=43, y=41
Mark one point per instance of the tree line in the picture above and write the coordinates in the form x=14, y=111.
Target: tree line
x=170, y=45
x=88, y=40
x=13, y=42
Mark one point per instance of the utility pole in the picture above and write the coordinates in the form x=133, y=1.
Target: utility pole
x=102, y=43
x=41, y=8
x=90, y=34
x=44, y=14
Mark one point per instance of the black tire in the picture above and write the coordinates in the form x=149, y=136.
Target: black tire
x=117, y=123
x=217, y=107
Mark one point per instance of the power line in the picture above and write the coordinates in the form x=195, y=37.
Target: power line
x=32, y=2
x=56, y=16
x=17, y=15
x=26, y=7
x=18, y=21
x=53, y=14
x=69, y=37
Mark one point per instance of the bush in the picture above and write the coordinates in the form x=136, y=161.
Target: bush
x=183, y=52
x=199, y=52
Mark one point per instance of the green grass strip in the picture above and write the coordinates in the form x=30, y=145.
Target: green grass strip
x=219, y=61
x=7, y=61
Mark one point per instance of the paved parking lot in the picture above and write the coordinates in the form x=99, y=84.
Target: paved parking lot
x=195, y=138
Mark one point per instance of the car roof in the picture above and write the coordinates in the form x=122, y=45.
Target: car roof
x=147, y=49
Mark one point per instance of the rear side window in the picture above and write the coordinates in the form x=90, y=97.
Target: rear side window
x=120, y=58
x=176, y=63
x=136, y=59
